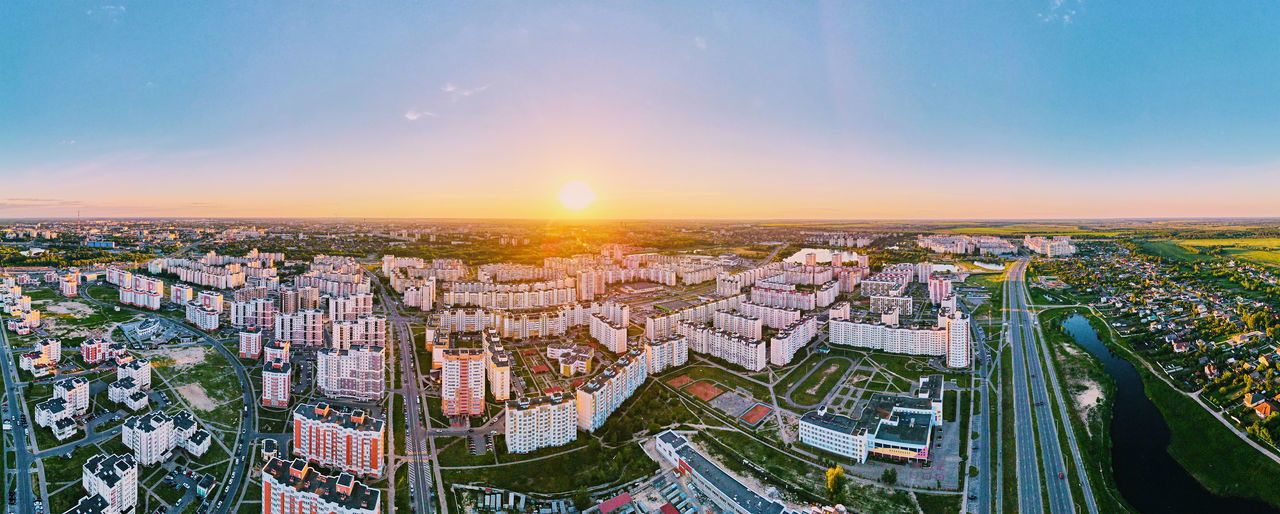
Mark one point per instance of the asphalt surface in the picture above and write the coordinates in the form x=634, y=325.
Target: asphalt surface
x=248, y=420
x=1031, y=398
x=18, y=433
x=419, y=446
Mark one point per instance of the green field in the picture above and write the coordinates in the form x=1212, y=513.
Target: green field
x=1264, y=251
x=814, y=389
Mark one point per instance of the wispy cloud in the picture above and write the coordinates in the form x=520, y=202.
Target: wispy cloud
x=21, y=203
x=112, y=12
x=700, y=42
x=456, y=93
x=1060, y=11
x=413, y=115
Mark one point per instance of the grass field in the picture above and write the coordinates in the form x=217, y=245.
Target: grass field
x=1264, y=251
x=815, y=388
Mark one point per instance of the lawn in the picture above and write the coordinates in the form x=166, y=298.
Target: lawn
x=1172, y=250
x=938, y=503
x=593, y=465
x=397, y=411
x=814, y=389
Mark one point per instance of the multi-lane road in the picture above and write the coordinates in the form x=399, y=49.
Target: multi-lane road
x=18, y=434
x=1040, y=461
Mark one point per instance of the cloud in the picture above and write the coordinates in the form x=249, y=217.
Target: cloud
x=1060, y=11
x=67, y=142
x=700, y=42
x=413, y=115
x=19, y=203
x=455, y=93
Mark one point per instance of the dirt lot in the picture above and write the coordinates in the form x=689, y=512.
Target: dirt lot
x=704, y=390
x=195, y=395
x=679, y=381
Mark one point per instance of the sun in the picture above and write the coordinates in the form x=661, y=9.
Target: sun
x=576, y=195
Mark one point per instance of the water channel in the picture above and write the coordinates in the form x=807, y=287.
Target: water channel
x=1148, y=478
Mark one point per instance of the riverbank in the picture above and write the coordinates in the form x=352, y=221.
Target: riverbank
x=1203, y=446
x=1091, y=394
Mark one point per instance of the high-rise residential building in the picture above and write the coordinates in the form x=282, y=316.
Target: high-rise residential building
x=95, y=350
x=939, y=288
x=541, y=422
x=210, y=300
x=784, y=344
x=294, y=486
x=181, y=294
x=150, y=436
x=276, y=351
x=256, y=312
x=251, y=342
x=276, y=383
x=949, y=339
x=348, y=440
x=41, y=360
x=601, y=395
x=358, y=373
x=498, y=366
x=462, y=382
x=305, y=327
x=69, y=284
x=75, y=391
x=56, y=415
x=664, y=353
x=350, y=307
x=110, y=484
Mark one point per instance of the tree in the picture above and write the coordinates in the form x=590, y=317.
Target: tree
x=835, y=483
x=581, y=498
x=889, y=477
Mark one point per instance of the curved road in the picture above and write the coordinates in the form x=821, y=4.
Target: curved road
x=248, y=421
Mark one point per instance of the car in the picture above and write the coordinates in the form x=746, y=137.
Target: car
x=1061, y=475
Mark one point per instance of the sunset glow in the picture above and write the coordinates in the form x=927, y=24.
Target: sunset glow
x=576, y=195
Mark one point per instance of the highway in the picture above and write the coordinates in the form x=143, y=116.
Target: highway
x=1033, y=414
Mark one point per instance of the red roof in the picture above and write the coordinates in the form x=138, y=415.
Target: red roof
x=668, y=508
x=612, y=504
x=550, y=390
x=541, y=369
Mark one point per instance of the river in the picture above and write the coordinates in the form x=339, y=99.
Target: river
x=1148, y=478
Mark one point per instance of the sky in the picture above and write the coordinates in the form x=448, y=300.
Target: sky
x=793, y=110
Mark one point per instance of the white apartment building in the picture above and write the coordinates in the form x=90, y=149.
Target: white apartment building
x=610, y=335
x=600, y=396
x=350, y=307
x=293, y=486
x=277, y=382
x=772, y=317
x=668, y=352
x=348, y=440
x=358, y=373
x=744, y=325
x=110, y=484
x=251, y=342
x=181, y=294
x=258, y=312
x=949, y=339
x=304, y=327
x=203, y=317
x=74, y=391
x=56, y=415
x=751, y=354
x=541, y=422
x=784, y=345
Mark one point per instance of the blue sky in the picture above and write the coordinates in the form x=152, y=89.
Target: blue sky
x=668, y=109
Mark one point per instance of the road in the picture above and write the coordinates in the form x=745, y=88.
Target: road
x=1033, y=416
x=981, y=450
x=248, y=420
x=1060, y=403
x=419, y=445
x=19, y=433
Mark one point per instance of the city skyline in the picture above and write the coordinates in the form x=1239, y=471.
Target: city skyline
x=1050, y=110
